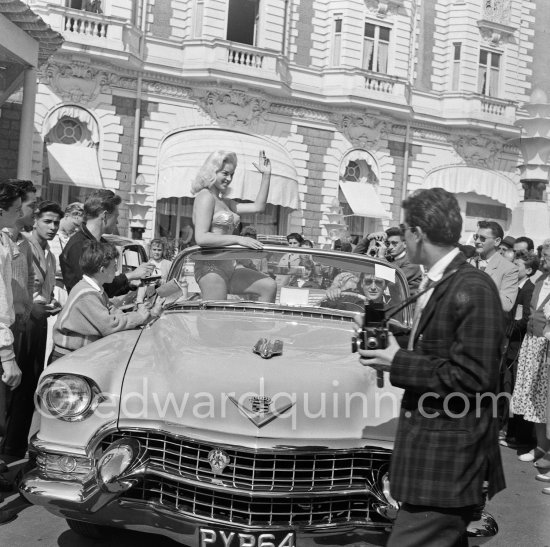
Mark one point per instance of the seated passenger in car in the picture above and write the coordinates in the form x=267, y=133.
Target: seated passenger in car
x=88, y=314
x=368, y=288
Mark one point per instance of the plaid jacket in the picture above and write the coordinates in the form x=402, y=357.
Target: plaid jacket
x=441, y=458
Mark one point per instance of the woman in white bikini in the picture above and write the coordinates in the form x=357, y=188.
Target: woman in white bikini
x=216, y=217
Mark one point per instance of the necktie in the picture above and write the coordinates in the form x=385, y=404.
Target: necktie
x=425, y=284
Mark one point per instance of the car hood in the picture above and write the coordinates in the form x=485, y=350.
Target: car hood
x=195, y=373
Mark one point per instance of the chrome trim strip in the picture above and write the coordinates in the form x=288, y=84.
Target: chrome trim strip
x=221, y=487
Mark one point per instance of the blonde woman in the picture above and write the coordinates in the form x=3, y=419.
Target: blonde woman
x=216, y=217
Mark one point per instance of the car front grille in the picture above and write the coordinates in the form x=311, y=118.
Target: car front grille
x=271, y=471
x=262, y=487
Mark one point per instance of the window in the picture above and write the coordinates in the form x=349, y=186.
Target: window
x=93, y=6
x=242, y=21
x=68, y=131
x=336, y=41
x=376, y=46
x=197, y=21
x=455, y=77
x=357, y=170
x=489, y=73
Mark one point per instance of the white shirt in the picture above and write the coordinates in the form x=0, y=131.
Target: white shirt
x=435, y=273
x=91, y=281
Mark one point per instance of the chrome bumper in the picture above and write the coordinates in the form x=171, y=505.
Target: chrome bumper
x=88, y=503
x=84, y=502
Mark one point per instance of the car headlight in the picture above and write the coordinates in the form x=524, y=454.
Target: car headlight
x=68, y=397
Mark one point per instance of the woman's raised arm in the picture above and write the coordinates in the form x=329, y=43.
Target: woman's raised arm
x=264, y=167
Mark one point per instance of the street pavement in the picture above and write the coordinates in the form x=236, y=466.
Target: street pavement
x=522, y=512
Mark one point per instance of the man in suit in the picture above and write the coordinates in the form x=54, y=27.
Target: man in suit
x=446, y=444
x=504, y=273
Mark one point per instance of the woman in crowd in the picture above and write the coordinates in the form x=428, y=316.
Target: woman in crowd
x=215, y=217
x=531, y=389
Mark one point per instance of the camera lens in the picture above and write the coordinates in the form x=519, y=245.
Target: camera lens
x=371, y=343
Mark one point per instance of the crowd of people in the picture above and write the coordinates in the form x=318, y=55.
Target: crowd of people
x=55, y=267
x=56, y=263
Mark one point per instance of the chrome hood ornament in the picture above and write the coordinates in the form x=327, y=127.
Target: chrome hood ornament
x=218, y=460
x=260, y=410
x=267, y=349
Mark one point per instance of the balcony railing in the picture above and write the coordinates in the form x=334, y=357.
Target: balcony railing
x=87, y=24
x=88, y=29
x=262, y=65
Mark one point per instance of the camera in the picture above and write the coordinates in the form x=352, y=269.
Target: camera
x=376, y=248
x=374, y=334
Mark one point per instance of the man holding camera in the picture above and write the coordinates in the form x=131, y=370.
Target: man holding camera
x=390, y=245
x=446, y=445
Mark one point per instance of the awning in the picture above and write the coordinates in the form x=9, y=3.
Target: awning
x=463, y=179
x=363, y=199
x=75, y=165
x=183, y=153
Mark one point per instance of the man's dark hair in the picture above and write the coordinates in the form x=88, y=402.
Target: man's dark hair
x=294, y=235
x=468, y=251
x=525, y=239
x=495, y=227
x=48, y=207
x=395, y=231
x=436, y=211
x=9, y=192
x=96, y=255
x=530, y=259
x=99, y=201
x=346, y=247
x=24, y=186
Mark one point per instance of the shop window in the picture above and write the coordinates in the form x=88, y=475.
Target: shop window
x=485, y=210
x=242, y=21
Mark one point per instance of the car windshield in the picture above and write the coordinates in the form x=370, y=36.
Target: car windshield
x=306, y=278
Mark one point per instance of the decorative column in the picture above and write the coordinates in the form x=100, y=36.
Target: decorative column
x=532, y=217
x=24, y=155
x=138, y=206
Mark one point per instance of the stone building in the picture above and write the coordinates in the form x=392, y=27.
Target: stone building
x=356, y=102
x=26, y=42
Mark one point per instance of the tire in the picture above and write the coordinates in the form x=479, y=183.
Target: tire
x=87, y=529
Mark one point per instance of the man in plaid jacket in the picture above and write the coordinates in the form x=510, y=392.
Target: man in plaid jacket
x=446, y=444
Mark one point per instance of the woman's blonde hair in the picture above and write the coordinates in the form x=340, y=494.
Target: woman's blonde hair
x=207, y=173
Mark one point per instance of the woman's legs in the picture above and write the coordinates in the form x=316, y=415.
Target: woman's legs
x=245, y=280
x=213, y=286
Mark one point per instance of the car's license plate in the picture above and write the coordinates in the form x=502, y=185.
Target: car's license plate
x=218, y=537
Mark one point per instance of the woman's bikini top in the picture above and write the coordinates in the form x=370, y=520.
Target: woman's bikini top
x=225, y=221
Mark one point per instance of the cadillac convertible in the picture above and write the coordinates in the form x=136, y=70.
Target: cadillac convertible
x=235, y=422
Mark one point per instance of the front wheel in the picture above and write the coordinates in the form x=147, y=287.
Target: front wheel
x=87, y=529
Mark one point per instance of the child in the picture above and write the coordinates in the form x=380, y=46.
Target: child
x=88, y=315
x=156, y=257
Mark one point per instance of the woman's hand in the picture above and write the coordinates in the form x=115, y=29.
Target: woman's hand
x=263, y=165
x=250, y=242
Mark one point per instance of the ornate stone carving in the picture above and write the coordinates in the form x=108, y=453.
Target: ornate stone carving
x=76, y=81
x=299, y=112
x=478, y=150
x=234, y=108
x=497, y=11
x=363, y=131
x=382, y=8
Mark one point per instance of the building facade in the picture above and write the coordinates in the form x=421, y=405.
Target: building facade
x=356, y=102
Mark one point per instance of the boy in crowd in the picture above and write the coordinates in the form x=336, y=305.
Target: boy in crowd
x=22, y=285
x=88, y=315
x=47, y=216
x=156, y=257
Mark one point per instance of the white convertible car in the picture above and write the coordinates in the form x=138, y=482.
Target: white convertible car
x=235, y=422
